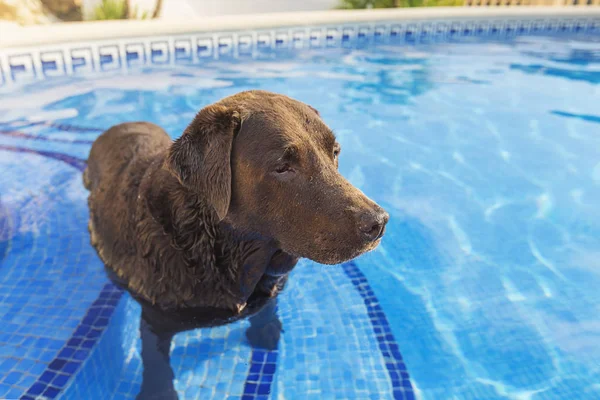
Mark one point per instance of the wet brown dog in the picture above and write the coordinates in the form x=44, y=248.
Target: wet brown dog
x=204, y=230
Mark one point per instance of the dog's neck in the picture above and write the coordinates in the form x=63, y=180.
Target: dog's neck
x=183, y=213
x=216, y=250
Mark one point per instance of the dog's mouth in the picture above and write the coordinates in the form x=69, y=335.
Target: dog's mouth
x=372, y=246
x=332, y=250
x=381, y=234
x=353, y=254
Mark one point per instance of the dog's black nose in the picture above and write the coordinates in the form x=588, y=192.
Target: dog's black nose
x=372, y=224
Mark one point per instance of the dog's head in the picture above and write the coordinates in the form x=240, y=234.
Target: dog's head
x=268, y=165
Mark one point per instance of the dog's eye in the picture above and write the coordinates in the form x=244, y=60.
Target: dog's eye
x=282, y=169
x=336, y=154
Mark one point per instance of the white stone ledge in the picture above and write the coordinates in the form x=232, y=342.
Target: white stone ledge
x=12, y=36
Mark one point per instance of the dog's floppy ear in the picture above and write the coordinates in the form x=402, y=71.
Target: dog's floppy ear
x=201, y=158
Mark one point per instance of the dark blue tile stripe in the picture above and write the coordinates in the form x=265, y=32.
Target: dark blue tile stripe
x=263, y=365
x=72, y=128
x=402, y=387
x=70, y=358
x=60, y=127
x=73, y=161
x=23, y=135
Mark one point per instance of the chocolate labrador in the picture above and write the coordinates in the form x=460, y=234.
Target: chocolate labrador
x=204, y=230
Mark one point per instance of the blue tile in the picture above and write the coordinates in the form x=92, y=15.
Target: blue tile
x=42, y=343
x=80, y=355
x=81, y=331
x=255, y=368
x=36, y=389
x=60, y=380
x=37, y=368
x=25, y=365
x=55, y=345
x=409, y=395
x=74, y=342
x=272, y=357
x=264, y=389
x=250, y=388
x=70, y=367
x=47, y=377
x=93, y=334
x=51, y=392
x=258, y=356
x=4, y=389
x=57, y=364
x=27, y=381
x=66, y=353
x=47, y=356
x=12, y=378
x=14, y=393
x=269, y=368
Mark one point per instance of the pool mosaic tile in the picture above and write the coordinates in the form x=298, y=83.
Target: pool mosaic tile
x=397, y=370
x=79, y=346
x=222, y=357
x=78, y=353
x=328, y=349
x=197, y=357
x=344, y=326
x=50, y=284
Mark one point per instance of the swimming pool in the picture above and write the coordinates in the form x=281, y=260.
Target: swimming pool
x=484, y=146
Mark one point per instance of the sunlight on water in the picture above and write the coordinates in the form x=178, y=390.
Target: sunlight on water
x=487, y=157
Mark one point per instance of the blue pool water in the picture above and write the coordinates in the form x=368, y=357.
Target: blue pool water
x=487, y=156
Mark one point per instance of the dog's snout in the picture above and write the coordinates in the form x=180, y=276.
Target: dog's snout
x=372, y=224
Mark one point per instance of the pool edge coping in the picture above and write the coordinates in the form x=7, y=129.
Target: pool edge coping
x=15, y=36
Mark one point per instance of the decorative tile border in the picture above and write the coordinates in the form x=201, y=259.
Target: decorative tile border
x=72, y=59
x=394, y=363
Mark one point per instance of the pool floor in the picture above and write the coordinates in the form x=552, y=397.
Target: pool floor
x=487, y=156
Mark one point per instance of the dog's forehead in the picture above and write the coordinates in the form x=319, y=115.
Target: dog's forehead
x=287, y=121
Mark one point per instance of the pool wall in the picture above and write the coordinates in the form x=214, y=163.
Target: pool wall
x=35, y=53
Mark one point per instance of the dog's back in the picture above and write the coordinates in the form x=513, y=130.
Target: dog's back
x=117, y=162
x=119, y=147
